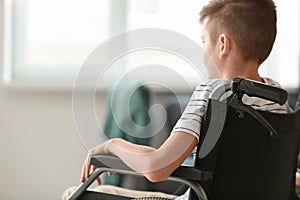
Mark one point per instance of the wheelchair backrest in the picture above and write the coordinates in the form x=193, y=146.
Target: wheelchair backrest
x=248, y=161
x=297, y=107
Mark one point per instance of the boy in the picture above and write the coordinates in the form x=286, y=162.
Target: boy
x=238, y=36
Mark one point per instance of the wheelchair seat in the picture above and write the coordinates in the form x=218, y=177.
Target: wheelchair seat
x=250, y=154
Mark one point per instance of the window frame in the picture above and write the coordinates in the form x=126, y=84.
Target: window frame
x=117, y=24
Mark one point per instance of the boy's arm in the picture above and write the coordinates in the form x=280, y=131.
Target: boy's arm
x=154, y=164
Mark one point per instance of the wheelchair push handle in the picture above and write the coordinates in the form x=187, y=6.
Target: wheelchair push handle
x=256, y=89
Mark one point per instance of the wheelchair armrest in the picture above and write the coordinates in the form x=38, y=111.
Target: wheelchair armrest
x=186, y=175
x=184, y=172
x=192, y=174
x=109, y=162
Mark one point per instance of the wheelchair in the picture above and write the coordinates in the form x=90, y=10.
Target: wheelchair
x=254, y=156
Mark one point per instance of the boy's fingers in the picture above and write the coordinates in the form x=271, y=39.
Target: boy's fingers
x=82, y=179
x=110, y=173
x=94, y=167
x=99, y=181
x=88, y=167
x=87, y=170
x=83, y=173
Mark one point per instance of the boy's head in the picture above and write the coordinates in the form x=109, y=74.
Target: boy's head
x=250, y=23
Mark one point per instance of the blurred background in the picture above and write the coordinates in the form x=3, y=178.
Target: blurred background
x=43, y=45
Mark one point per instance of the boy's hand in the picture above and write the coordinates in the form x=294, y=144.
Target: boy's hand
x=87, y=169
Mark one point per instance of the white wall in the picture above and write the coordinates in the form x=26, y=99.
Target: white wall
x=40, y=153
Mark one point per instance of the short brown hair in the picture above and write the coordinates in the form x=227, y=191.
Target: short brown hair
x=251, y=24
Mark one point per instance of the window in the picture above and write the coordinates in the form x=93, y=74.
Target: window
x=179, y=16
x=47, y=41
x=283, y=63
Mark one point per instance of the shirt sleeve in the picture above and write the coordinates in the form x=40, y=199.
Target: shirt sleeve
x=192, y=117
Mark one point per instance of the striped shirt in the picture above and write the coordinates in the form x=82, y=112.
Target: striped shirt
x=191, y=119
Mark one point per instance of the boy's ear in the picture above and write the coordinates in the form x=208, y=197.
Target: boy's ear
x=225, y=45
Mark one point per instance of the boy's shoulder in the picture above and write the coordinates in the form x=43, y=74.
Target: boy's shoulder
x=213, y=83
x=271, y=82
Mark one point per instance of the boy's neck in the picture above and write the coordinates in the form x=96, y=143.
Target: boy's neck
x=245, y=76
x=246, y=70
